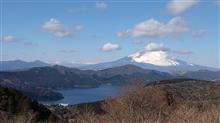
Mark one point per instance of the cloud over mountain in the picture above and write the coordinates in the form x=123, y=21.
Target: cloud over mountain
x=156, y=47
x=154, y=28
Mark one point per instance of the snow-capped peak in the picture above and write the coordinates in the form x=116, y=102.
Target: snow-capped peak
x=154, y=54
x=158, y=58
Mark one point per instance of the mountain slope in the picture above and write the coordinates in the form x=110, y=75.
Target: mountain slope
x=37, y=93
x=62, y=77
x=39, y=82
x=126, y=73
x=51, y=77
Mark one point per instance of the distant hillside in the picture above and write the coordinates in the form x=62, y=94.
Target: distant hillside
x=19, y=64
x=58, y=77
x=51, y=77
x=17, y=108
x=123, y=74
x=203, y=75
x=178, y=66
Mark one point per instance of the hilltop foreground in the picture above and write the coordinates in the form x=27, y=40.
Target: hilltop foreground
x=172, y=101
x=17, y=108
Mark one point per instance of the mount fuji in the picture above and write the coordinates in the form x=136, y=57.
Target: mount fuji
x=164, y=64
x=152, y=56
x=176, y=66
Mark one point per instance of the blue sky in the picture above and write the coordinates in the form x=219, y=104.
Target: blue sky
x=99, y=31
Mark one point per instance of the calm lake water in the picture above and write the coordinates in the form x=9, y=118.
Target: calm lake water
x=76, y=96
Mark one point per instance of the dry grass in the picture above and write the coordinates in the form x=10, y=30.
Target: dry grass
x=204, y=112
x=85, y=116
x=22, y=118
x=152, y=105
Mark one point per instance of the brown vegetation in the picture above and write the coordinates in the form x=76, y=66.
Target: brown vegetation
x=158, y=104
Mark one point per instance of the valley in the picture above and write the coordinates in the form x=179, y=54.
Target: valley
x=43, y=83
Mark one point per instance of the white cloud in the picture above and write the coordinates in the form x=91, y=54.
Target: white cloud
x=101, y=5
x=9, y=38
x=157, y=54
x=56, y=28
x=179, y=6
x=154, y=28
x=199, y=33
x=110, y=47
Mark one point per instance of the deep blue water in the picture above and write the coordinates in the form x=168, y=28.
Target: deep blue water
x=77, y=96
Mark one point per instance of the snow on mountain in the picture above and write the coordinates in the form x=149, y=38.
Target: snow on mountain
x=158, y=58
x=155, y=54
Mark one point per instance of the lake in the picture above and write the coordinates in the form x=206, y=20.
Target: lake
x=79, y=95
